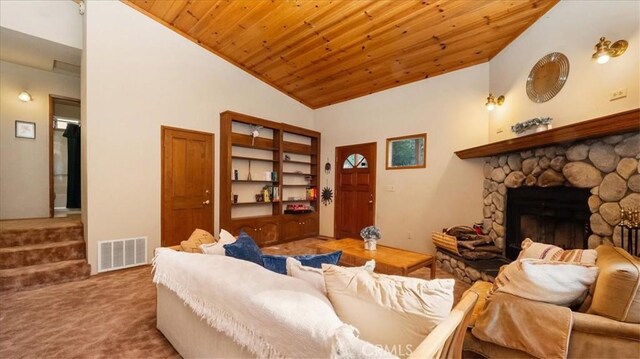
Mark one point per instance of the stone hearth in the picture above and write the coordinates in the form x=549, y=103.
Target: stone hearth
x=607, y=166
x=467, y=270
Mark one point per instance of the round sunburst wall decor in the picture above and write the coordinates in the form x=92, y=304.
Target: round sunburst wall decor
x=327, y=196
x=547, y=77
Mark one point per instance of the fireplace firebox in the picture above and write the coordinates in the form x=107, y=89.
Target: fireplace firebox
x=552, y=215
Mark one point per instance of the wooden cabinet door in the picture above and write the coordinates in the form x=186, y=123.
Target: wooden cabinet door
x=310, y=226
x=268, y=233
x=291, y=228
x=263, y=232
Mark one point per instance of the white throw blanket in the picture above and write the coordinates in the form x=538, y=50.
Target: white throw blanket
x=270, y=314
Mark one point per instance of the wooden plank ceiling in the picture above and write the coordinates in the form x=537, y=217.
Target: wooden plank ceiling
x=322, y=52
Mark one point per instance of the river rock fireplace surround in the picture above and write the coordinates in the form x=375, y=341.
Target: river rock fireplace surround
x=604, y=171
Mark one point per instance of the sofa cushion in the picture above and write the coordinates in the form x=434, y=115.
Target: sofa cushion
x=314, y=276
x=557, y=283
x=244, y=248
x=617, y=290
x=536, y=250
x=197, y=238
x=392, y=311
x=218, y=247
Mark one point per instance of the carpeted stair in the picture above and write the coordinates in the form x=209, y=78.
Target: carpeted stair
x=35, y=253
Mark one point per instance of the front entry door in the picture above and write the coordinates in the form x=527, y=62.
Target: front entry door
x=355, y=189
x=187, y=184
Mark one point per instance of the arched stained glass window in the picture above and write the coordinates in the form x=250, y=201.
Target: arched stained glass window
x=355, y=160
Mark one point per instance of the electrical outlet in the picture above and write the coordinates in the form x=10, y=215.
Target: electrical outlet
x=390, y=188
x=618, y=94
x=499, y=130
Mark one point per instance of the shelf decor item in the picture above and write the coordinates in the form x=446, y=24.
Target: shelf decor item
x=533, y=125
x=371, y=235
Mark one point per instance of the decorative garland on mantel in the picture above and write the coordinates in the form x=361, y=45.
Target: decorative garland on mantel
x=534, y=122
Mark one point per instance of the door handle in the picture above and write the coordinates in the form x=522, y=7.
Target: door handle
x=371, y=198
x=206, y=202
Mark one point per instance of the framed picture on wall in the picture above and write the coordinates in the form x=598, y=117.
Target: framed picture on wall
x=407, y=152
x=25, y=129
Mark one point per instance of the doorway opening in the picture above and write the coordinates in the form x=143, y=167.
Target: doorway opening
x=64, y=156
x=355, y=189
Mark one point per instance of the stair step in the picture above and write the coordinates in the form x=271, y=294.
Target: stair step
x=22, y=237
x=42, y=253
x=36, y=276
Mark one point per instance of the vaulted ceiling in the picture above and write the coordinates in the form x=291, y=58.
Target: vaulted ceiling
x=322, y=52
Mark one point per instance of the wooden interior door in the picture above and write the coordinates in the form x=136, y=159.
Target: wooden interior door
x=187, y=184
x=355, y=189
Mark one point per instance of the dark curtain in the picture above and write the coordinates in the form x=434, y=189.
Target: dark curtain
x=72, y=133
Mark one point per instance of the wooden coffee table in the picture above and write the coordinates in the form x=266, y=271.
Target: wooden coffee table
x=389, y=260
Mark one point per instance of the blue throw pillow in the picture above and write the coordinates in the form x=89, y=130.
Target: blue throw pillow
x=278, y=264
x=244, y=248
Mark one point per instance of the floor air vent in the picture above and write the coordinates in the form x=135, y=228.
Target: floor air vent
x=121, y=253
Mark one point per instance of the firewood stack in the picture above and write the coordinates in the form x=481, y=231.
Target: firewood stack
x=473, y=245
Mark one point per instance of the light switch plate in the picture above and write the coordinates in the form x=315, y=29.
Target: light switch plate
x=390, y=188
x=618, y=94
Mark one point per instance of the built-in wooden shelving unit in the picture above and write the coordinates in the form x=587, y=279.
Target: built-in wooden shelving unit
x=621, y=122
x=292, y=153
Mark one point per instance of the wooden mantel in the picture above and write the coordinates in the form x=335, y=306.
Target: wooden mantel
x=620, y=122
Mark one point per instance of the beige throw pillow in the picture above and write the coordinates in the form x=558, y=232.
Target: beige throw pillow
x=314, y=276
x=197, y=238
x=217, y=248
x=558, y=283
x=535, y=250
x=394, y=312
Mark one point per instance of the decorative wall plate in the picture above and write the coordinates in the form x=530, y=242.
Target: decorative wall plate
x=547, y=77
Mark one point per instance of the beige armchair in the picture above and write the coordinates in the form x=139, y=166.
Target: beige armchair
x=608, y=323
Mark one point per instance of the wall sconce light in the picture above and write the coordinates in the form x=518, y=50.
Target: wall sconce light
x=24, y=96
x=606, y=50
x=492, y=102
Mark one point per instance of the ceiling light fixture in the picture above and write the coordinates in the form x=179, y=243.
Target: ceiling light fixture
x=605, y=50
x=493, y=102
x=24, y=96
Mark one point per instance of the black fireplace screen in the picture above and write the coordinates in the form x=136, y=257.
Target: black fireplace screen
x=553, y=215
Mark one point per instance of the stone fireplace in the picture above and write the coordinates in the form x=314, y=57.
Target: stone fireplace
x=579, y=186
x=606, y=170
x=552, y=215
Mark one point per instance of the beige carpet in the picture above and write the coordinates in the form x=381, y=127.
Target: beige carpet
x=108, y=315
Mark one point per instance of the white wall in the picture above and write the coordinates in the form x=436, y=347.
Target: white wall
x=24, y=163
x=58, y=21
x=140, y=75
x=449, y=109
x=572, y=28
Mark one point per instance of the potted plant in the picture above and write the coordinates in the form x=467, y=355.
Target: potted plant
x=370, y=235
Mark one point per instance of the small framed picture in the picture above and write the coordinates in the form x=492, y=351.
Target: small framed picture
x=25, y=129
